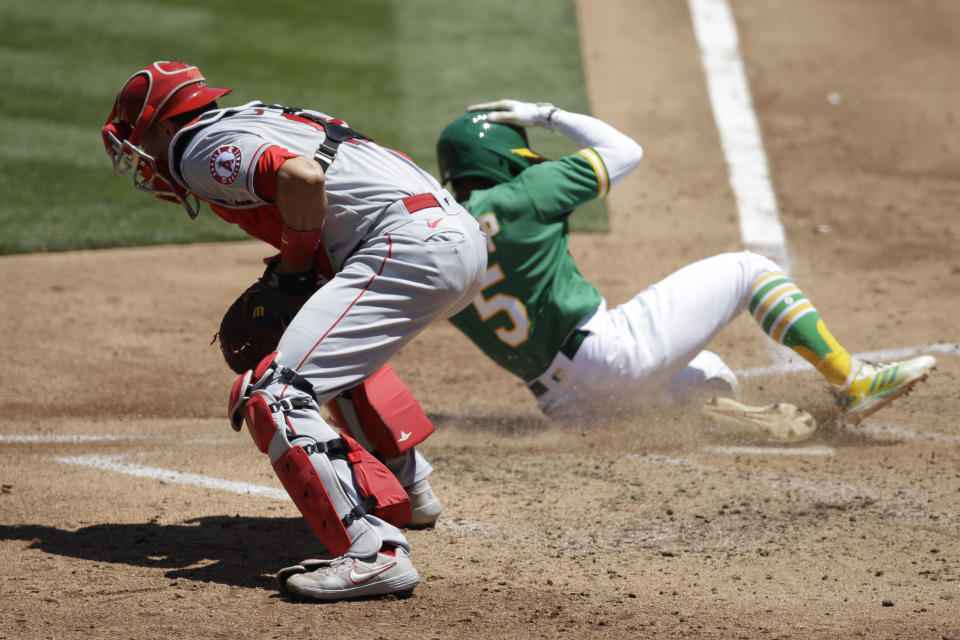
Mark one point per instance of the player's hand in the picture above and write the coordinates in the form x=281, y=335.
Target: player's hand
x=524, y=114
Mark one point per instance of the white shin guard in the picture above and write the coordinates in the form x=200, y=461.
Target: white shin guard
x=308, y=456
x=310, y=477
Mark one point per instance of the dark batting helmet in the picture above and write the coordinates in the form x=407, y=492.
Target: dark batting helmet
x=471, y=146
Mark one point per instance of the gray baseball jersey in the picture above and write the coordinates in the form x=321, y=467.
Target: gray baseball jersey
x=216, y=158
x=405, y=253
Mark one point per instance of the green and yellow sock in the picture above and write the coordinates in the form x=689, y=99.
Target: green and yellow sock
x=785, y=314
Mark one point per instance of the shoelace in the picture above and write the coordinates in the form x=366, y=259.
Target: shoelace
x=336, y=566
x=341, y=563
x=875, y=365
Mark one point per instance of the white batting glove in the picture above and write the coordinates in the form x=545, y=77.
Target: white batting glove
x=524, y=114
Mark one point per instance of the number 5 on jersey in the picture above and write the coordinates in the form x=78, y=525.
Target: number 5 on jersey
x=487, y=308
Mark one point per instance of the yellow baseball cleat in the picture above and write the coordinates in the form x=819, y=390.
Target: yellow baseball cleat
x=874, y=386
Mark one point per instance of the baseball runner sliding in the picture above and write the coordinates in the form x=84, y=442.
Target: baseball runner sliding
x=538, y=318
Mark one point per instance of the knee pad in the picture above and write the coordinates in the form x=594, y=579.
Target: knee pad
x=243, y=388
x=249, y=403
x=256, y=379
x=382, y=413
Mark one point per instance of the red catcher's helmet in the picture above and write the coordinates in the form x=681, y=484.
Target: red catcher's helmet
x=162, y=90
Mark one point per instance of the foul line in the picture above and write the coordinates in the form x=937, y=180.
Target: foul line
x=72, y=437
x=815, y=450
x=113, y=463
x=794, y=364
x=905, y=432
x=760, y=227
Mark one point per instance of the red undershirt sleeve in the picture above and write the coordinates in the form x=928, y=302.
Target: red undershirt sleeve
x=265, y=176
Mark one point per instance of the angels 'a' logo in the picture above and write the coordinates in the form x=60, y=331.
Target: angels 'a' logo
x=225, y=164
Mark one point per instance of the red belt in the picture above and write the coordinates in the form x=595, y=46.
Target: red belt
x=420, y=201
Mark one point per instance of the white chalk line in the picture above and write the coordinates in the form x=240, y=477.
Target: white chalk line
x=114, y=463
x=73, y=437
x=794, y=365
x=81, y=438
x=815, y=450
x=716, y=33
x=905, y=433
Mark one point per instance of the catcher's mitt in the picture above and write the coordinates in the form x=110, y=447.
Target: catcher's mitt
x=252, y=326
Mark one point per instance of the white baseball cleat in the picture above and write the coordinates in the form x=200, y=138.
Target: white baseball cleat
x=343, y=578
x=425, y=505
x=724, y=384
x=783, y=422
x=874, y=386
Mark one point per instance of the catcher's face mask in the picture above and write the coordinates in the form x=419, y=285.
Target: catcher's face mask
x=147, y=177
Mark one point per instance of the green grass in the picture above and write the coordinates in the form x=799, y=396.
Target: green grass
x=398, y=70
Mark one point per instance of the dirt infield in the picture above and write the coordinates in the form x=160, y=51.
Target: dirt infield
x=118, y=518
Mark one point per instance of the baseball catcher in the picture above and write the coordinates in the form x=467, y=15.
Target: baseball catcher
x=398, y=253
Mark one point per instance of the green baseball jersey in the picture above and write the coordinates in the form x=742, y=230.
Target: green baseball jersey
x=533, y=294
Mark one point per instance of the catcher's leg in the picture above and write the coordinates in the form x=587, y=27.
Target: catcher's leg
x=412, y=470
x=350, y=500
x=410, y=467
x=384, y=416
